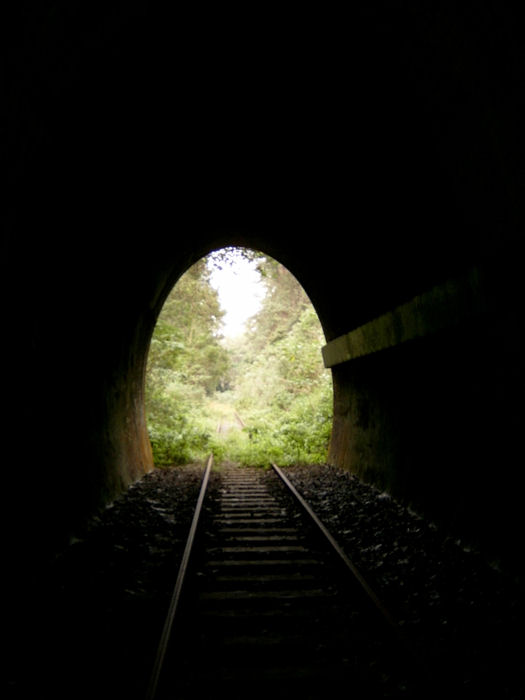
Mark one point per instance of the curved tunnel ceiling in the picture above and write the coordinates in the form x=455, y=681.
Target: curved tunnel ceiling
x=373, y=163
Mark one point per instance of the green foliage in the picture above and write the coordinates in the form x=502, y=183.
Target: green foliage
x=179, y=446
x=275, y=375
x=283, y=372
x=177, y=431
x=186, y=363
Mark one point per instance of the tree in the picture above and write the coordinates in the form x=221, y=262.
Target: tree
x=283, y=390
x=283, y=303
x=186, y=338
x=186, y=362
x=274, y=377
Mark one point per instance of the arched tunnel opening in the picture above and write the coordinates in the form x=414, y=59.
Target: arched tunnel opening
x=382, y=167
x=235, y=366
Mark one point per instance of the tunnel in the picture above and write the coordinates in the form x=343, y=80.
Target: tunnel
x=379, y=159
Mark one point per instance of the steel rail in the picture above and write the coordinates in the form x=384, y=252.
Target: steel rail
x=172, y=610
x=337, y=548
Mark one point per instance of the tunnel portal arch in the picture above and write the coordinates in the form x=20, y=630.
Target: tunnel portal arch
x=318, y=386
x=416, y=175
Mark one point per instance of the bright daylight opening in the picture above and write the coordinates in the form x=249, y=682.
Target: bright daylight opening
x=235, y=367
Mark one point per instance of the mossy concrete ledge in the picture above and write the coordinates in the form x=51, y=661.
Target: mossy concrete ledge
x=444, y=306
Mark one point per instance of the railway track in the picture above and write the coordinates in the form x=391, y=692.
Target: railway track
x=266, y=603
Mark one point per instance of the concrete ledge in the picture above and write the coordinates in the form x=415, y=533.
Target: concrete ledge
x=444, y=306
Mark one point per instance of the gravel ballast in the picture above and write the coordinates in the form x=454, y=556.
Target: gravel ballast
x=461, y=614
x=106, y=596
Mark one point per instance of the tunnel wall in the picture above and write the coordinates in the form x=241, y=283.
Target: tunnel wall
x=376, y=163
x=433, y=418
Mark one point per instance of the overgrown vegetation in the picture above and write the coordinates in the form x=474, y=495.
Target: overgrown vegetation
x=260, y=397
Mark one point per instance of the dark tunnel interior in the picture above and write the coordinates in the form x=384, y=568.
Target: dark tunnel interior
x=380, y=159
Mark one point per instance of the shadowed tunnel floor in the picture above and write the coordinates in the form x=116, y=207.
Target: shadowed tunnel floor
x=100, y=608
